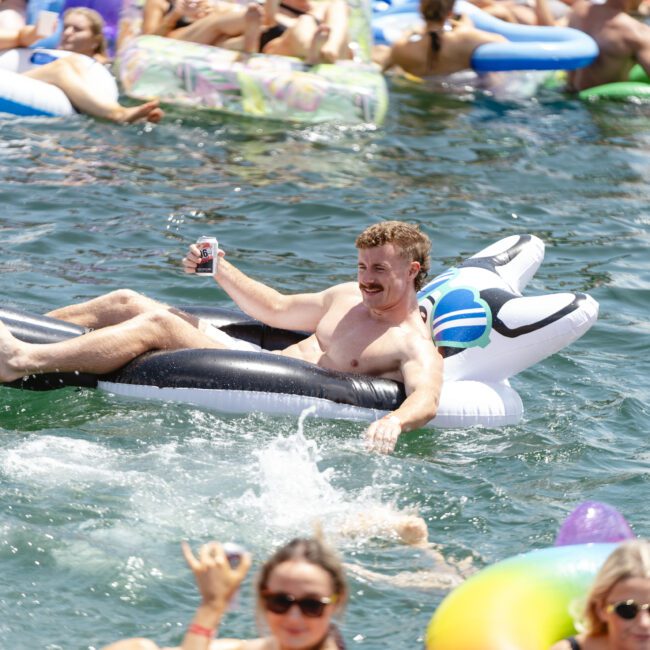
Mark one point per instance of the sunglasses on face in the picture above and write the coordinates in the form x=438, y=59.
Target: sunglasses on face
x=627, y=609
x=281, y=603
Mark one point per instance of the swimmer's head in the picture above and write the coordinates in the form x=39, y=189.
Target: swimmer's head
x=312, y=551
x=83, y=32
x=413, y=530
x=436, y=11
x=412, y=244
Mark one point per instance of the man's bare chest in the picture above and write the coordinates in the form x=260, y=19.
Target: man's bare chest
x=358, y=344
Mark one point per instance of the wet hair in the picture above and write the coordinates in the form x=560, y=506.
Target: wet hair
x=313, y=551
x=410, y=241
x=436, y=11
x=97, y=25
x=629, y=560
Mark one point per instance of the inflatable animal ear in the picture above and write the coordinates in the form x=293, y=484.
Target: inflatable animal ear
x=487, y=331
x=593, y=521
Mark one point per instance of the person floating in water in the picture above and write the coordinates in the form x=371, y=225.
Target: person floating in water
x=442, y=46
x=622, y=41
x=83, y=78
x=372, y=326
x=314, y=31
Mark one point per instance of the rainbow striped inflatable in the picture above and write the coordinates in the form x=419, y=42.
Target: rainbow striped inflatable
x=521, y=603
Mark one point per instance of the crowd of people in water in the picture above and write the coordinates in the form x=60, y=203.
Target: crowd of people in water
x=302, y=587
x=317, y=32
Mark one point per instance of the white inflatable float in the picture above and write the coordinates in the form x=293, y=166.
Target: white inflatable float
x=21, y=95
x=485, y=329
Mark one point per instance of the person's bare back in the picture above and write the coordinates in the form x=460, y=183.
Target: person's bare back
x=622, y=41
x=458, y=42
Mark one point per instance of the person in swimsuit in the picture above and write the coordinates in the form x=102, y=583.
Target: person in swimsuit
x=617, y=612
x=77, y=76
x=300, y=588
x=185, y=20
x=622, y=42
x=444, y=44
x=314, y=31
x=371, y=326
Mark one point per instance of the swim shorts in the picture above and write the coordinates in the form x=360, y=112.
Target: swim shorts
x=230, y=342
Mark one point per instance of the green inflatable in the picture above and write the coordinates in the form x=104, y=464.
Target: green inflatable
x=637, y=85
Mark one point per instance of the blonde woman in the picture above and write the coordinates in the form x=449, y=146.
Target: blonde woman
x=83, y=78
x=617, y=613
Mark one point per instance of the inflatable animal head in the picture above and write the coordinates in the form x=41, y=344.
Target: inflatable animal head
x=485, y=329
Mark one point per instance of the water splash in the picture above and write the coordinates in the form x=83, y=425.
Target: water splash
x=296, y=491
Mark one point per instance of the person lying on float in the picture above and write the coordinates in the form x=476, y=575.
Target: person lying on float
x=371, y=327
x=314, y=31
x=81, y=75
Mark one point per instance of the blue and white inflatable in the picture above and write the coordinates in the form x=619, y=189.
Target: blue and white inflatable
x=483, y=326
x=528, y=47
x=21, y=95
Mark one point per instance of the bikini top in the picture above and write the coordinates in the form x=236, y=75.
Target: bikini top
x=436, y=34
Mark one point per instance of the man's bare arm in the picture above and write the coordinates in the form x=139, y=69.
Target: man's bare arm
x=299, y=311
x=642, y=46
x=422, y=374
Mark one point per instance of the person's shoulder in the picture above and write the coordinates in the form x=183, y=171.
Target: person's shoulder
x=580, y=642
x=343, y=289
x=561, y=645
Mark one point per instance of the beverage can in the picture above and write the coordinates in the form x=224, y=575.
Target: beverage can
x=209, y=249
x=233, y=552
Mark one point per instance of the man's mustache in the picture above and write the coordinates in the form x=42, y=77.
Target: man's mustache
x=371, y=287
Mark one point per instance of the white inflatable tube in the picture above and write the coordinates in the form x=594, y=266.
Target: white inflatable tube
x=484, y=328
x=21, y=95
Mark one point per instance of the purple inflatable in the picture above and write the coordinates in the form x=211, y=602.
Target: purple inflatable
x=593, y=521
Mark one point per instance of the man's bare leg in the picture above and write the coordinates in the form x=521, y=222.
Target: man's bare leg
x=109, y=309
x=102, y=350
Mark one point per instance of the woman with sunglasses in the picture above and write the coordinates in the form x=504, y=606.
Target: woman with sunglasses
x=299, y=589
x=617, y=612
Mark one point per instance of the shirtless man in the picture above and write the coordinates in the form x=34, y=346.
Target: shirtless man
x=372, y=326
x=622, y=40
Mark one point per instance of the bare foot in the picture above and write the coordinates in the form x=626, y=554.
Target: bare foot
x=149, y=111
x=252, y=28
x=320, y=38
x=9, y=349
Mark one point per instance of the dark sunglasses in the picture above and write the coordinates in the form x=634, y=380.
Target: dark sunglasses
x=627, y=609
x=281, y=603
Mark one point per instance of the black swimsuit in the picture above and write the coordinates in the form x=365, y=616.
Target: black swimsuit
x=277, y=30
x=573, y=642
x=181, y=22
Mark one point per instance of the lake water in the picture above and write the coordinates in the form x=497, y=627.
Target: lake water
x=97, y=491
